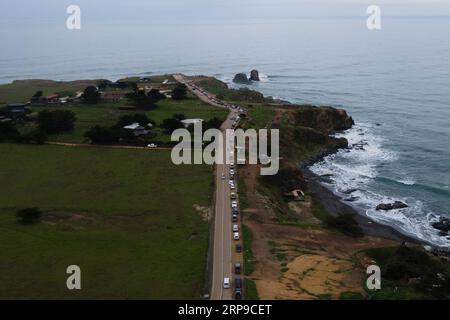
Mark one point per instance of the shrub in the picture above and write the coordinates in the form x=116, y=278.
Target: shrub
x=91, y=95
x=179, y=92
x=346, y=224
x=102, y=135
x=28, y=215
x=57, y=121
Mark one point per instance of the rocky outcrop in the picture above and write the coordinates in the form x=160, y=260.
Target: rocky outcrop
x=391, y=206
x=324, y=119
x=443, y=225
x=254, y=75
x=241, y=78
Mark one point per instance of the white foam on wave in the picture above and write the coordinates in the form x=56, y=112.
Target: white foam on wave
x=408, y=181
x=356, y=168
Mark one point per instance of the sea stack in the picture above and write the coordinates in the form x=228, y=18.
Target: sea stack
x=241, y=78
x=254, y=75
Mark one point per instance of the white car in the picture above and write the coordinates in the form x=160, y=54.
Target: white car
x=236, y=236
x=231, y=171
x=234, y=204
x=223, y=176
x=152, y=145
x=232, y=187
x=226, y=283
x=235, y=228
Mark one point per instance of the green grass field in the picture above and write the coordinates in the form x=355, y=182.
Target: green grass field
x=107, y=114
x=103, y=114
x=126, y=217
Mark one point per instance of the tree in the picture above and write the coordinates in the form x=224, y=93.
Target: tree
x=28, y=215
x=128, y=119
x=103, y=84
x=179, y=116
x=141, y=101
x=103, y=135
x=8, y=132
x=57, y=121
x=171, y=124
x=213, y=123
x=91, y=95
x=179, y=92
x=37, y=136
x=38, y=94
x=155, y=95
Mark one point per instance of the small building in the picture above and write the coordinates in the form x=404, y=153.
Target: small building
x=191, y=122
x=113, y=96
x=137, y=129
x=53, y=98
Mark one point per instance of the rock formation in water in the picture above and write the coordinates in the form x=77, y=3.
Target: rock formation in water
x=254, y=75
x=241, y=78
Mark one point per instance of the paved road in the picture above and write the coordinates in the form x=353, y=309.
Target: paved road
x=223, y=256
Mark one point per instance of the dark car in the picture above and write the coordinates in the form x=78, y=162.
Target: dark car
x=238, y=294
x=237, y=268
x=234, y=218
x=235, y=211
x=238, y=248
x=238, y=283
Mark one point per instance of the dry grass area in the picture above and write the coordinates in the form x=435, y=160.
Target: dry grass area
x=308, y=262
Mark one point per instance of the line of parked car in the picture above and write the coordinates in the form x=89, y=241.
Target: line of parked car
x=236, y=236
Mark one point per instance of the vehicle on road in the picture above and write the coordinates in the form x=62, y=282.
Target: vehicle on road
x=234, y=218
x=231, y=172
x=238, y=248
x=234, y=204
x=152, y=145
x=232, y=187
x=238, y=283
x=223, y=176
x=233, y=196
x=235, y=228
x=226, y=283
x=237, y=294
x=237, y=268
x=236, y=236
x=235, y=211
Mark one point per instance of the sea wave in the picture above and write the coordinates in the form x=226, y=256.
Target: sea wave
x=353, y=172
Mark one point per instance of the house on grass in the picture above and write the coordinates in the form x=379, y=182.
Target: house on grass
x=113, y=96
x=44, y=100
x=138, y=130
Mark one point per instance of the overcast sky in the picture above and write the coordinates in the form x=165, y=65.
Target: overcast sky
x=206, y=10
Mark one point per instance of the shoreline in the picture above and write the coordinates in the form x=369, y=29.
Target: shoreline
x=335, y=206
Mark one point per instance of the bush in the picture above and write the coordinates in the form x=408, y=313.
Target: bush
x=141, y=101
x=128, y=119
x=36, y=136
x=412, y=270
x=28, y=215
x=91, y=95
x=346, y=224
x=179, y=92
x=103, y=135
x=171, y=124
x=8, y=132
x=57, y=121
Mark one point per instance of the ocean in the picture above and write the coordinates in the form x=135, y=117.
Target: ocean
x=394, y=82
